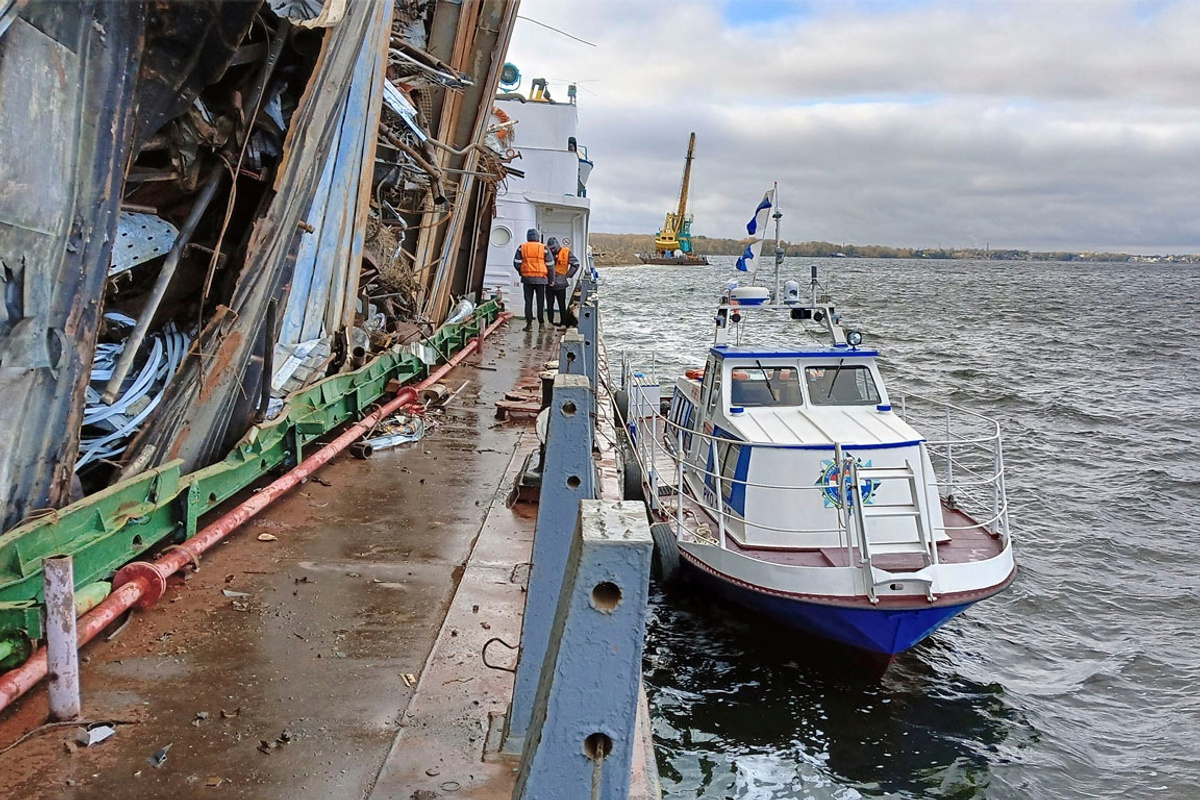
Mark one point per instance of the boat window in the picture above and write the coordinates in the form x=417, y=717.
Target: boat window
x=752, y=387
x=681, y=415
x=728, y=454
x=837, y=385
x=714, y=391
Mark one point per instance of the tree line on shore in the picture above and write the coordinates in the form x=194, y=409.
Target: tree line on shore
x=615, y=249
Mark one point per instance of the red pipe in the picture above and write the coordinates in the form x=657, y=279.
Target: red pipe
x=140, y=584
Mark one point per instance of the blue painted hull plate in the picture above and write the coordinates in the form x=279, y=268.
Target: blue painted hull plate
x=879, y=630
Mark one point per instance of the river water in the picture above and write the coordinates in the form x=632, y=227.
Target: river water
x=1080, y=681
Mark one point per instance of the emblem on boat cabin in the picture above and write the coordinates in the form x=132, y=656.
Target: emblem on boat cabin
x=831, y=475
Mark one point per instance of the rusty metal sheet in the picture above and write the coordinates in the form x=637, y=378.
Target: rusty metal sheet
x=206, y=407
x=66, y=88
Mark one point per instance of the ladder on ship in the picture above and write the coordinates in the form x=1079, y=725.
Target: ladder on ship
x=900, y=544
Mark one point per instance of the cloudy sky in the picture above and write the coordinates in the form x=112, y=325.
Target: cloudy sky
x=1051, y=125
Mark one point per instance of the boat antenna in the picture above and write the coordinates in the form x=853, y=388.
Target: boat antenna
x=778, y=215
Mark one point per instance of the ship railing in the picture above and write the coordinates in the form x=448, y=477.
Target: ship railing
x=684, y=478
x=966, y=452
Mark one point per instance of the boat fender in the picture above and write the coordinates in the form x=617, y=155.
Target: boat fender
x=621, y=405
x=631, y=479
x=666, y=552
x=695, y=374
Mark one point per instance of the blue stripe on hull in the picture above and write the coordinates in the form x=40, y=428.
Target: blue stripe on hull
x=875, y=630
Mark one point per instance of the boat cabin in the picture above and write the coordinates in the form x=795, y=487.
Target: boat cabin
x=759, y=425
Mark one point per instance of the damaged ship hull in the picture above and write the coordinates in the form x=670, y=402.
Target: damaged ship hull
x=218, y=242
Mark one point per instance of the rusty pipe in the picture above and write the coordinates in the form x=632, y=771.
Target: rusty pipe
x=140, y=584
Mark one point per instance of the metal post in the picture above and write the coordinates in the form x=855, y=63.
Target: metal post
x=62, y=650
x=569, y=477
x=949, y=461
x=843, y=513
x=679, y=482
x=581, y=740
x=720, y=501
x=589, y=328
x=570, y=354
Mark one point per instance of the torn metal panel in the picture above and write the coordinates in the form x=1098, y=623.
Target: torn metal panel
x=321, y=299
x=188, y=46
x=310, y=13
x=140, y=238
x=402, y=108
x=205, y=409
x=9, y=9
x=66, y=89
x=479, y=51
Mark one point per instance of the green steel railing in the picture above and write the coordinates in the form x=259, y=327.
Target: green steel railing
x=161, y=506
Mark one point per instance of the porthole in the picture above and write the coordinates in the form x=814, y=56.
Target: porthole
x=501, y=236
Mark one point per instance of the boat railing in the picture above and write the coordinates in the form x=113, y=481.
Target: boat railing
x=683, y=476
x=967, y=455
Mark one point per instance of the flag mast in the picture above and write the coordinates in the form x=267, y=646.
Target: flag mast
x=777, y=215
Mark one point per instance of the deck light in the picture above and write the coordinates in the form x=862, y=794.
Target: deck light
x=854, y=338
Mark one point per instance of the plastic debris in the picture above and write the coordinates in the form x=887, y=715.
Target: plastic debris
x=232, y=593
x=268, y=537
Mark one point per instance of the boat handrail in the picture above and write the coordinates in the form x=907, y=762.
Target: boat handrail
x=968, y=467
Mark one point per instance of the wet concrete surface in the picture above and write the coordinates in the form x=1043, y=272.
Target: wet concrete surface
x=298, y=688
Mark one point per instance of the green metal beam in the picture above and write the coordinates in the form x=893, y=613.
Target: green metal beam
x=160, y=506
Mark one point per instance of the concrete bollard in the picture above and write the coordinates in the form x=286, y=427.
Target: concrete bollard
x=62, y=649
x=580, y=741
x=569, y=477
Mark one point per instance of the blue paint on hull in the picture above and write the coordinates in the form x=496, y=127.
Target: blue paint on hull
x=882, y=631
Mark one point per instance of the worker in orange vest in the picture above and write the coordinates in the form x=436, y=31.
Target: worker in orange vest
x=535, y=262
x=565, y=267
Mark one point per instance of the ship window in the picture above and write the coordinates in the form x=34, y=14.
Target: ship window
x=728, y=454
x=501, y=236
x=714, y=391
x=764, y=386
x=837, y=385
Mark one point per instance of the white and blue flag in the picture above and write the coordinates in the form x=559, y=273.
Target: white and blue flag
x=759, y=220
x=757, y=223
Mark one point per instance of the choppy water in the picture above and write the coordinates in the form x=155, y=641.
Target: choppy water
x=1081, y=681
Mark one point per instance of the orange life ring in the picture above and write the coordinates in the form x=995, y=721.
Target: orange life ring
x=695, y=374
x=503, y=133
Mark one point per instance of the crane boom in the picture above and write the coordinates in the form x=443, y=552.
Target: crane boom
x=687, y=177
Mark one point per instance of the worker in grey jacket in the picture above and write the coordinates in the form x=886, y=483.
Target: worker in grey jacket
x=565, y=267
x=535, y=263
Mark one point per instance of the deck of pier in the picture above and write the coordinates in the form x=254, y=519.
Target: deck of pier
x=334, y=646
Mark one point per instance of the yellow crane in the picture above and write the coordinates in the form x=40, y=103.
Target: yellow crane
x=676, y=233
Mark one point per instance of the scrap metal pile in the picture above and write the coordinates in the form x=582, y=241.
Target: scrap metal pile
x=219, y=203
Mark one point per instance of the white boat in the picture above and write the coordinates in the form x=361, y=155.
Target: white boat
x=787, y=479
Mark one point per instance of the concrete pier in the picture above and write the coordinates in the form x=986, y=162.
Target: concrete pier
x=334, y=647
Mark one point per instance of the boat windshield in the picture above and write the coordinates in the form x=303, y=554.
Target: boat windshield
x=753, y=387
x=841, y=386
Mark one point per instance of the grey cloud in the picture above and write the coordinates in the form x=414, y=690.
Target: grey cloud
x=1040, y=125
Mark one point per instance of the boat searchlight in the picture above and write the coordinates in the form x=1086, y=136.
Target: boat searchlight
x=854, y=338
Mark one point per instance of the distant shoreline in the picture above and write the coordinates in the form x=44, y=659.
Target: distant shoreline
x=621, y=249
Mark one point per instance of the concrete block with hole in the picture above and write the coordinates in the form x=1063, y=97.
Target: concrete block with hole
x=589, y=329
x=581, y=736
x=568, y=477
